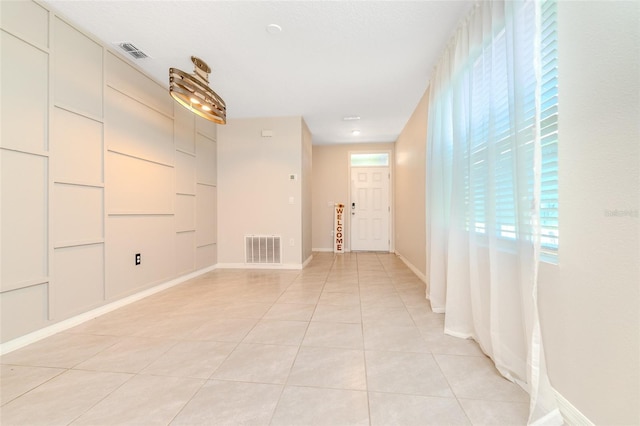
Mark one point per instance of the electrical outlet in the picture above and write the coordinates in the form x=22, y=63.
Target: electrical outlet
x=292, y=242
x=138, y=259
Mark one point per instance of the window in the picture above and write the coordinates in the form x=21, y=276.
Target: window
x=549, y=128
x=502, y=129
x=379, y=159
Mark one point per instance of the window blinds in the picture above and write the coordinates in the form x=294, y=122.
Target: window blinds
x=502, y=114
x=549, y=127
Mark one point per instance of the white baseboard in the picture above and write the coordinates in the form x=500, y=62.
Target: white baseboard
x=412, y=267
x=68, y=323
x=306, y=262
x=323, y=250
x=571, y=414
x=287, y=266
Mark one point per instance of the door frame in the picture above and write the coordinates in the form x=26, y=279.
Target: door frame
x=391, y=192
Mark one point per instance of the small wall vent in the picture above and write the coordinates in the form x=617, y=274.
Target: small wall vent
x=264, y=249
x=132, y=50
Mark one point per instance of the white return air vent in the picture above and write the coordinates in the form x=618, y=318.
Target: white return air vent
x=132, y=50
x=264, y=249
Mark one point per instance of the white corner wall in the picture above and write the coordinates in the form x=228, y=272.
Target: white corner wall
x=256, y=195
x=590, y=301
x=410, y=190
x=95, y=168
x=307, y=192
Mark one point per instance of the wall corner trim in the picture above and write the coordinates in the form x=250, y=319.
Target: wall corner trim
x=306, y=262
x=571, y=414
x=68, y=323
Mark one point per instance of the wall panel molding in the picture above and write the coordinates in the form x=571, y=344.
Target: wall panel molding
x=206, y=160
x=13, y=14
x=126, y=79
x=92, y=171
x=25, y=95
x=24, y=184
x=136, y=129
x=79, y=272
x=206, y=202
x=151, y=236
x=75, y=111
x=24, y=284
x=77, y=70
x=30, y=304
x=136, y=186
x=77, y=214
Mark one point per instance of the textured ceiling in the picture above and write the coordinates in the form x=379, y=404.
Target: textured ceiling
x=332, y=59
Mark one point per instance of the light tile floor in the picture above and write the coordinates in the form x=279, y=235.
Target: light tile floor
x=348, y=340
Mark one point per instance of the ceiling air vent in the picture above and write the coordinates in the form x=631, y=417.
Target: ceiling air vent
x=132, y=50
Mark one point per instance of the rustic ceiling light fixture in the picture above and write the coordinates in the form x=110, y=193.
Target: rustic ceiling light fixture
x=192, y=91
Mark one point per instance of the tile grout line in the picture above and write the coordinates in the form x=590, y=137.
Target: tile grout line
x=438, y=364
x=209, y=378
x=331, y=275
x=364, y=349
x=284, y=385
x=104, y=397
x=64, y=370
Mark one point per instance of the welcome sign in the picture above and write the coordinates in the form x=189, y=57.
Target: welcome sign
x=338, y=241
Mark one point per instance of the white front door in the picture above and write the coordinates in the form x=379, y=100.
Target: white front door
x=369, y=208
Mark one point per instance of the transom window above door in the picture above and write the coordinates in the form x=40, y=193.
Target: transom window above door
x=378, y=159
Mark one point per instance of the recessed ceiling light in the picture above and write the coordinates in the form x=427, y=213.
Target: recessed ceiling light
x=274, y=29
x=355, y=132
x=351, y=118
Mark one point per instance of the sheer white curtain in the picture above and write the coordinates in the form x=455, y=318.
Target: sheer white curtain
x=483, y=168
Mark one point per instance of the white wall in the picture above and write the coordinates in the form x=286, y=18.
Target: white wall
x=95, y=168
x=590, y=301
x=307, y=192
x=331, y=185
x=256, y=194
x=410, y=189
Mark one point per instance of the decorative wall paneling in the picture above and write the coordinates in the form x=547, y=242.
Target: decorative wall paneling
x=25, y=180
x=206, y=193
x=77, y=163
x=98, y=163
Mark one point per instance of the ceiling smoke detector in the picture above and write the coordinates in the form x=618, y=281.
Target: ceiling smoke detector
x=132, y=50
x=274, y=29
